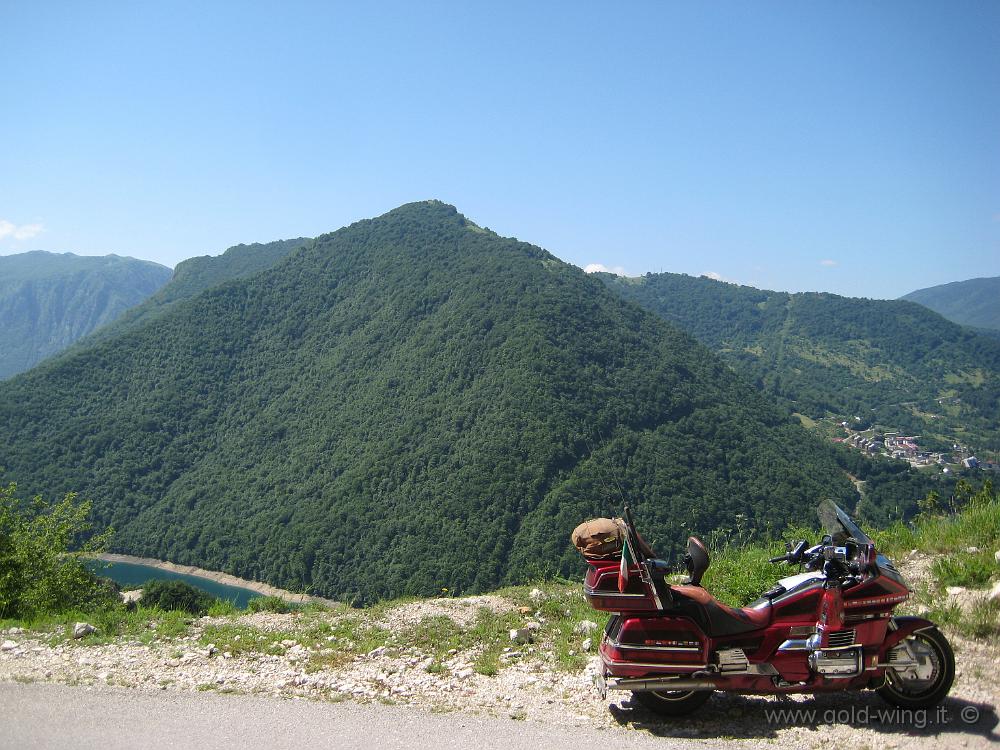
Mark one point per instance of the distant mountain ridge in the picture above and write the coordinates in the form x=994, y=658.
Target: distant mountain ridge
x=974, y=302
x=409, y=404
x=892, y=361
x=195, y=275
x=50, y=300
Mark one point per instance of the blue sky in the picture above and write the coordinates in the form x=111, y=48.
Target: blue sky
x=846, y=147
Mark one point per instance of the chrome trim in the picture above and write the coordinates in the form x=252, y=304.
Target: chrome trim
x=801, y=630
x=694, y=667
x=587, y=591
x=794, y=645
x=619, y=645
x=836, y=639
x=640, y=684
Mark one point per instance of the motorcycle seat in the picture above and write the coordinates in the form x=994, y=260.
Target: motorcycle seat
x=716, y=618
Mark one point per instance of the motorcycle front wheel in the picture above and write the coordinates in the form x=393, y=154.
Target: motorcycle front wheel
x=672, y=702
x=925, y=684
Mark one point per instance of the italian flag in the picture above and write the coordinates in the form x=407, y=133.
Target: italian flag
x=627, y=559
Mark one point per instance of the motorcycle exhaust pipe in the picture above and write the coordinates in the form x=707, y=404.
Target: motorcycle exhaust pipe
x=645, y=683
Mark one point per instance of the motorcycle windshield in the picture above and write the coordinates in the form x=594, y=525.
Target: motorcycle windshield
x=839, y=525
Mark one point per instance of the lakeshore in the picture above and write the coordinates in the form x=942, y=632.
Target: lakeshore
x=224, y=579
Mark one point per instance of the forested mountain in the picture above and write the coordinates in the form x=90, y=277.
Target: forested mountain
x=893, y=362
x=408, y=404
x=49, y=300
x=195, y=275
x=974, y=303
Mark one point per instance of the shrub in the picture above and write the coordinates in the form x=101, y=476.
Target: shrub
x=38, y=576
x=176, y=595
x=269, y=604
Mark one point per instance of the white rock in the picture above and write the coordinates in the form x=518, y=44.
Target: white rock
x=996, y=555
x=532, y=626
x=520, y=635
x=8, y=646
x=587, y=643
x=19, y=631
x=536, y=595
x=585, y=627
x=131, y=597
x=464, y=674
x=955, y=590
x=972, y=550
x=994, y=595
x=83, y=628
x=376, y=652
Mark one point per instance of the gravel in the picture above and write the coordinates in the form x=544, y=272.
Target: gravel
x=528, y=686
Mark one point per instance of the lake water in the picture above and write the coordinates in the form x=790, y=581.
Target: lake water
x=131, y=574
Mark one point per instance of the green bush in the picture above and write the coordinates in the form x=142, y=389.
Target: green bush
x=269, y=604
x=176, y=595
x=965, y=569
x=38, y=576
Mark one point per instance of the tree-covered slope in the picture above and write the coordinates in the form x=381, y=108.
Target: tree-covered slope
x=49, y=300
x=195, y=275
x=974, y=303
x=408, y=404
x=894, y=362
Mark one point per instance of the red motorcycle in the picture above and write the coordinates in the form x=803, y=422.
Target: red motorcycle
x=830, y=627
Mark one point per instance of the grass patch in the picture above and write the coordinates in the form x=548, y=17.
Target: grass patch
x=976, y=525
x=271, y=604
x=965, y=569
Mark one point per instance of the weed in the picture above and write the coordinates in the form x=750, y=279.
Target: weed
x=965, y=569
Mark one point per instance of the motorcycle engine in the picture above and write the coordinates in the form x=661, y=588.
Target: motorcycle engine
x=841, y=663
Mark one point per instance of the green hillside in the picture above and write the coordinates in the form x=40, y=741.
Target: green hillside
x=408, y=404
x=890, y=362
x=49, y=300
x=974, y=303
x=195, y=275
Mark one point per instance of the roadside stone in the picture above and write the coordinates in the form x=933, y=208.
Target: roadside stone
x=536, y=595
x=520, y=635
x=994, y=595
x=996, y=555
x=532, y=626
x=82, y=629
x=8, y=646
x=376, y=652
x=972, y=550
x=585, y=627
x=955, y=590
x=20, y=631
x=587, y=643
x=131, y=598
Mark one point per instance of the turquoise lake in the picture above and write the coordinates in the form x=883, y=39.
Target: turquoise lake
x=131, y=574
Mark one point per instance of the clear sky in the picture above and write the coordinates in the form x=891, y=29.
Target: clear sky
x=851, y=147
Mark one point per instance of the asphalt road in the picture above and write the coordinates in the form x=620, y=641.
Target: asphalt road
x=39, y=715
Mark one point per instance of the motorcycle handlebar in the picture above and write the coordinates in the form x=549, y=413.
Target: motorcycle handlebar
x=779, y=558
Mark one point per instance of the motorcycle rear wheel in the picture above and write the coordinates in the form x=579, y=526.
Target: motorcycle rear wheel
x=672, y=702
x=928, y=684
